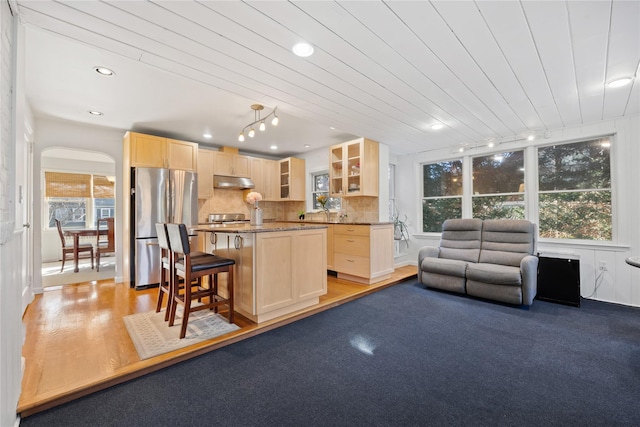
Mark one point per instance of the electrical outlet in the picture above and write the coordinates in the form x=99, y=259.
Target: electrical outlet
x=603, y=266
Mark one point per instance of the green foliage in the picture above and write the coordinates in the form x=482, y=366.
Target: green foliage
x=499, y=207
x=437, y=211
x=442, y=179
x=576, y=215
x=581, y=165
x=498, y=173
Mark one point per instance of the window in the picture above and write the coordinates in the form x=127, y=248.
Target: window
x=321, y=186
x=498, y=186
x=574, y=184
x=78, y=200
x=72, y=212
x=441, y=194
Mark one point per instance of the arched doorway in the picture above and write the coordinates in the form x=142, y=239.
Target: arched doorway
x=78, y=190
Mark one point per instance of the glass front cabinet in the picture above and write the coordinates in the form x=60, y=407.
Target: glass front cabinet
x=354, y=168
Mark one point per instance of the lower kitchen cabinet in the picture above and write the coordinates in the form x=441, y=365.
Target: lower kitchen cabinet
x=276, y=273
x=363, y=253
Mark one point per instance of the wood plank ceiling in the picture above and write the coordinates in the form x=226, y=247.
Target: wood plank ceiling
x=385, y=70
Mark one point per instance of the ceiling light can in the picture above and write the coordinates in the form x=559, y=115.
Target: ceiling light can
x=303, y=49
x=619, y=82
x=104, y=71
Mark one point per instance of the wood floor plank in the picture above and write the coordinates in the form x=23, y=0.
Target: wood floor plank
x=76, y=342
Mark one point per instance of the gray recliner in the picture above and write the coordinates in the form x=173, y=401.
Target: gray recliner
x=490, y=259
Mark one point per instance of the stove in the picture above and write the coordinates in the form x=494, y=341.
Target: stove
x=226, y=218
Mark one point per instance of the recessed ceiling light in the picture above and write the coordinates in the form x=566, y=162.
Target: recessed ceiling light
x=620, y=82
x=274, y=147
x=207, y=135
x=303, y=49
x=437, y=126
x=491, y=144
x=531, y=137
x=95, y=113
x=104, y=71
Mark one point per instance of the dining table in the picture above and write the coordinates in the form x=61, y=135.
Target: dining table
x=76, y=234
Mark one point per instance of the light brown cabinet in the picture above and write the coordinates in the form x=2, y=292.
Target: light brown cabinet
x=292, y=179
x=330, y=256
x=353, y=168
x=231, y=164
x=205, y=174
x=159, y=152
x=276, y=273
x=264, y=176
x=363, y=253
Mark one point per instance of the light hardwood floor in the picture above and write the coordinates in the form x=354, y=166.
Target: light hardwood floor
x=77, y=343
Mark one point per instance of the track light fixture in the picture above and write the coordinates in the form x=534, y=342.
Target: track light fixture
x=259, y=121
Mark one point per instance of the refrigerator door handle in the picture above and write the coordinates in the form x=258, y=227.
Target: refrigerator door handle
x=167, y=189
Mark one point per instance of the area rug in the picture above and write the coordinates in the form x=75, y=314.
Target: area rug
x=152, y=336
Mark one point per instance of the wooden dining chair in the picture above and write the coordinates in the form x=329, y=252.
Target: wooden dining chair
x=83, y=248
x=191, y=269
x=107, y=245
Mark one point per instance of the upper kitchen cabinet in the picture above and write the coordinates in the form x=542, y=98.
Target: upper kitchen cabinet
x=228, y=162
x=158, y=152
x=292, y=179
x=205, y=173
x=182, y=155
x=264, y=174
x=353, y=168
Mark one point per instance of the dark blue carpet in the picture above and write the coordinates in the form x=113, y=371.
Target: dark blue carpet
x=400, y=357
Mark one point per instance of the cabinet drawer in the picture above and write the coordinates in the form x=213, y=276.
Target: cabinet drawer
x=351, y=230
x=351, y=245
x=352, y=264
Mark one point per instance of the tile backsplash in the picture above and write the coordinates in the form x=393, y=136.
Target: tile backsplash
x=362, y=209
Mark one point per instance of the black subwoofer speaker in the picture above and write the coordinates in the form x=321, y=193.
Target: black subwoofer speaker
x=559, y=280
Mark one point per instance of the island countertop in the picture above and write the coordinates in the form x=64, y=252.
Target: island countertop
x=311, y=221
x=264, y=228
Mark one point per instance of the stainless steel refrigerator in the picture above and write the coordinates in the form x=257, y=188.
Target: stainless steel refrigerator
x=157, y=195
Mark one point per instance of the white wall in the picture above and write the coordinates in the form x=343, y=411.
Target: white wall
x=51, y=133
x=621, y=283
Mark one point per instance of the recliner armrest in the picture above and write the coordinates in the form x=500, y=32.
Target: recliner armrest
x=529, y=271
x=427, y=251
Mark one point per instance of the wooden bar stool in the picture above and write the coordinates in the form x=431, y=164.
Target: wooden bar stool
x=190, y=269
x=166, y=269
x=166, y=272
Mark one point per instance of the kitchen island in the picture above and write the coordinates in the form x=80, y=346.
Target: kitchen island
x=280, y=267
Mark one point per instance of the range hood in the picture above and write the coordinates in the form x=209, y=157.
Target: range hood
x=222, y=181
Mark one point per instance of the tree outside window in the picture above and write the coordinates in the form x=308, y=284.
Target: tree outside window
x=442, y=194
x=574, y=183
x=498, y=186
